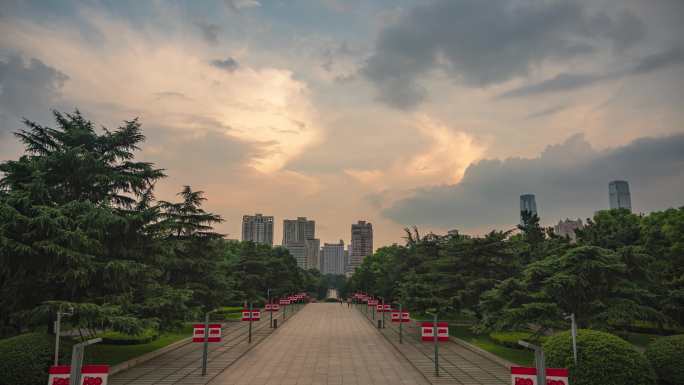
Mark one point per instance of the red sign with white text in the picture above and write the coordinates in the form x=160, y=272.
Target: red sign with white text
x=254, y=316
x=528, y=376
x=90, y=375
x=427, y=331
x=214, y=333
x=403, y=317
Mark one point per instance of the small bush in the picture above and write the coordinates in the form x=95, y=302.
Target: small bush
x=227, y=312
x=25, y=359
x=510, y=339
x=667, y=357
x=118, y=338
x=603, y=359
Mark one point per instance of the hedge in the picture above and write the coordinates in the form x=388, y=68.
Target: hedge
x=25, y=359
x=510, y=339
x=603, y=359
x=118, y=338
x=666, y=354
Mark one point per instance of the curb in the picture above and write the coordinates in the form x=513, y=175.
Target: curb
x=506, y=364
x=135, y=361
x=148, y=356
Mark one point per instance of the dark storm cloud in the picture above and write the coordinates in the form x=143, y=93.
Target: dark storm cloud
x=229, y=64
x=488, y=42
x=209, y=31
x=569, y=180
x=26, y=89
x=568, y=81
x=546, y=112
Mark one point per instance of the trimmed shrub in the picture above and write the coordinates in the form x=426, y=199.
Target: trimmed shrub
x=118, y=338
x=25, y=359
x=510, y=339
x=227, y=312
x=603, y=359
x=667, y=357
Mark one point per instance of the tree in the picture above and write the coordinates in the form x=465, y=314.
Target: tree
x=65, y=209
x=589, y=281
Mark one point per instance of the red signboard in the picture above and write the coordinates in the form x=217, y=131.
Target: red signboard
x=528, y=376
x=90, y=375
x=254, y=316
x=427, y=331
x=403, y=317
x=272, y=307
x=214, y=333
x=284, y=301
x=372, y=302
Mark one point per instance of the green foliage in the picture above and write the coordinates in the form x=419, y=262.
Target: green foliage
x=80, y=229
x=510, y=339
x=589, y=281
x=25, y=359
x=666, y=355
x=603, y=359
x=118, y=338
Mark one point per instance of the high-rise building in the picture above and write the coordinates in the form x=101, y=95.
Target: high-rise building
x=299, y=229
x=258, y=228
x=620, y=197
x=312, y=251
x=296, y=233
x=567, y=228
x=529, y=204
x=332, y=258
x=298, y=251
x=361, y=244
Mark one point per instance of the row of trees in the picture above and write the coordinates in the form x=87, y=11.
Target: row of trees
x=623, y=270
x=80, y=227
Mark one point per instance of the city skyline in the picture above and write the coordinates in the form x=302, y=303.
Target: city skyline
x=320, y=108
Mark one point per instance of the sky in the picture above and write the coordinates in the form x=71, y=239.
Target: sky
x=434, y=113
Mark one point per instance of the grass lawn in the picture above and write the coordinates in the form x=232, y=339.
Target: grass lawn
x=115, y=354
x=482, y=341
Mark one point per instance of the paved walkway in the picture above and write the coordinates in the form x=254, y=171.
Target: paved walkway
x=327, y=344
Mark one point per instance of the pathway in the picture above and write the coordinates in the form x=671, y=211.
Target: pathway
x=329, y=344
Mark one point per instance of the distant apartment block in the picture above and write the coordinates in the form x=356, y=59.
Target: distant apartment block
x=619, y=195
x=296, y=234
x=298, y=251
x=299, y=229
x=361, y=244
x=528, y=203
x=332, y=258
x=258, y=228
x=567, y=228
x=312, y=251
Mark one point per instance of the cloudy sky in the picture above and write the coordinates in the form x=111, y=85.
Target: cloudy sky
x=436, y=113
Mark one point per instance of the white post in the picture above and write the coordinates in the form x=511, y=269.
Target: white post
x=58, y=326
x=574, y=336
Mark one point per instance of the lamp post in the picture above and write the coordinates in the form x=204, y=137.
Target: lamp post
x=538, y=360
x=268, y=295
x=573, y=330
x=401, y=321
x=436, y=340
x=58, y=329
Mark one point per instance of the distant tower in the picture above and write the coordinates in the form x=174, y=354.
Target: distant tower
x=258, y=228
x=361, y=244
x=619, y=195
x=527, y=203
x=299, y=237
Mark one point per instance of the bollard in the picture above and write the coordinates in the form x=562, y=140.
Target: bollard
x=275, y=323
x=379, y=324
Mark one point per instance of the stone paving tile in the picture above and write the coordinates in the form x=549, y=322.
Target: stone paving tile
x=328, y=344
